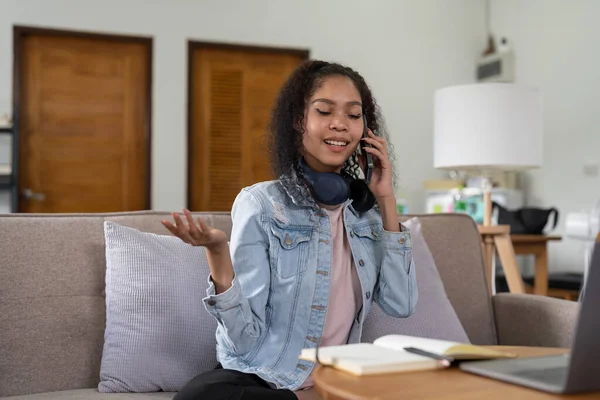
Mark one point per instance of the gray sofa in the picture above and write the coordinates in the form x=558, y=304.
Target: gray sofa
x=52, y=304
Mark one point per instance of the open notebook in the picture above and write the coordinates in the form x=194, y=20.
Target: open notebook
x=376, y=357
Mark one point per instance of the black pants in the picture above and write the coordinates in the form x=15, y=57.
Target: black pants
x=228, y=384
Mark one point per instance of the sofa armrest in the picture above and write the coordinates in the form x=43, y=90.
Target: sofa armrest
x=532, y=320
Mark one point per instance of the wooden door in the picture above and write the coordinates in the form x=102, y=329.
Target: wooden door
x=83, y=109
x=232, y=90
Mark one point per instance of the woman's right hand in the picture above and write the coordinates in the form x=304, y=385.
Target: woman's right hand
x=215, y=241
x=195, y=234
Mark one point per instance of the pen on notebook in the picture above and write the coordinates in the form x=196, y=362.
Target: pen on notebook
x=444, y=359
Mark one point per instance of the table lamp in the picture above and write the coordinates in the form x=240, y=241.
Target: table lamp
x=484, y=128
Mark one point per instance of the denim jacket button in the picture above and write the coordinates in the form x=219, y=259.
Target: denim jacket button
x=402, y=240
x=288, y=240
x=368, y=295
x=361, y=263
x=351, y=234
x=211, y=302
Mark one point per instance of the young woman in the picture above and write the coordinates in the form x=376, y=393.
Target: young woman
x=310, y=251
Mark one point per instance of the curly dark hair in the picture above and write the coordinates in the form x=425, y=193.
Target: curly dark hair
x=284, y=133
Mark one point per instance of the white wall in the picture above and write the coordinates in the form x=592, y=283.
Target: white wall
x=556, y=46
x=405, y=49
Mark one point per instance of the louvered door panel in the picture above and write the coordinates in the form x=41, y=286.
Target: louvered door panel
x=264, y=77
x=231, y=96
x=225, y=130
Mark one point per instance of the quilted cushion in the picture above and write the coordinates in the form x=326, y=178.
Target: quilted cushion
x=158, y=335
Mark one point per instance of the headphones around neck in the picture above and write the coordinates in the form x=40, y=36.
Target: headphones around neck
x=331, y=188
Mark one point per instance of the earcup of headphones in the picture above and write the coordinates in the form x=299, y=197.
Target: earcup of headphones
x=330, y=188
x=327, y=187
x=362, y=197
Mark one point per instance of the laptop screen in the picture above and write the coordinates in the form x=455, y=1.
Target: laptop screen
x=594, y=265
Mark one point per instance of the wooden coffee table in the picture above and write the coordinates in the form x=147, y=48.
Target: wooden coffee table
x=451, y=383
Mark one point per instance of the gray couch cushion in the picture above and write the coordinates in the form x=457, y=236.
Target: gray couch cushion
x=434, y=315
x=51, y=303
x=93, y=394
x=158, y=335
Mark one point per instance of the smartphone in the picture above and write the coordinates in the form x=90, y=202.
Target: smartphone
x=368, y=156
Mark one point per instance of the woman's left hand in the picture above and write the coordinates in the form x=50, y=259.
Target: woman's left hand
x=381, y=180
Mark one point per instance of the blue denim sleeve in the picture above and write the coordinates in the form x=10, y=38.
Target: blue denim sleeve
x=396, y=289
x=240, y=310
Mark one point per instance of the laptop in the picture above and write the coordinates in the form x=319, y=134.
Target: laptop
x=576, y=372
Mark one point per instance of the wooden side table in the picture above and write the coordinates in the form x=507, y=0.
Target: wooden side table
x=448, y=384
x=536, y=245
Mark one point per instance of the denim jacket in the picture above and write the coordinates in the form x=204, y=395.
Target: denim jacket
x=281, y=254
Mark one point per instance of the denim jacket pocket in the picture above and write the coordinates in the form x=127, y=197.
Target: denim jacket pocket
x=289, y=249
x=370, y=237
x=370, y=231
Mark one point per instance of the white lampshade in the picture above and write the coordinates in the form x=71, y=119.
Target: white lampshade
x=488, y=126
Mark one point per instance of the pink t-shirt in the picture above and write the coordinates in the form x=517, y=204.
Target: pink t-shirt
x=345, y=295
